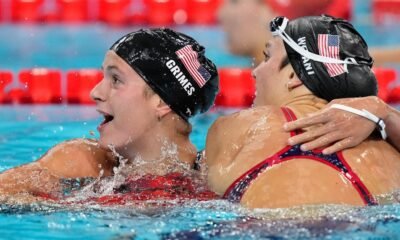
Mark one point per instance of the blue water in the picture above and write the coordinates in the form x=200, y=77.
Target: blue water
x=26, y=132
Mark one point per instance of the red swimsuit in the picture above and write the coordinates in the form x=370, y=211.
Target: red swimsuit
x=237, y=189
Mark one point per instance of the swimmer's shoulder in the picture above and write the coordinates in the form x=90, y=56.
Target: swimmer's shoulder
x=239, y=122
x=77, y=158
x=234, y=129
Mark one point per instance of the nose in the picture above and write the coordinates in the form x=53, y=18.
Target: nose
x=97, y=94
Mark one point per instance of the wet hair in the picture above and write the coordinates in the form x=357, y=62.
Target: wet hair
x=148, y=92
x=284, y=63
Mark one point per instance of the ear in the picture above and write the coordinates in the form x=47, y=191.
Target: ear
x=293, y=81
x=162, y=109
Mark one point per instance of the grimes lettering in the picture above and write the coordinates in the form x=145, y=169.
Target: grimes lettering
x=182, y=79
x=306, y=61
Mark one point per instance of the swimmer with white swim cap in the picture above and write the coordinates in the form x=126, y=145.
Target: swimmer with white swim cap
x=309, y=62
x=235, y=18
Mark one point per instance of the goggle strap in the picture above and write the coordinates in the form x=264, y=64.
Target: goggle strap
x=366, y=114
x=280, y=31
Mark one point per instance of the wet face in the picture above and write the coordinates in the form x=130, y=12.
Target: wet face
x=243, y=22
x=120, y=98
x=270, y=77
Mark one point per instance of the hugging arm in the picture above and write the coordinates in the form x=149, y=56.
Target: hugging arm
x=340, y=129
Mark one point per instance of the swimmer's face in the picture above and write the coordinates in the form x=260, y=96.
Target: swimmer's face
x=120, y=98
x=244, y=23
x=270, y=77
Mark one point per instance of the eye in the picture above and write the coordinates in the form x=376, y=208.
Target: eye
x=266, y=56
x=115, y=79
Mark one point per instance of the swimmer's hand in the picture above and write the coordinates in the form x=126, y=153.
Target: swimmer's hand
x=336, y=128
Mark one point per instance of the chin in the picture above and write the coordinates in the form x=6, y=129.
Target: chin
x=103, y=144
x=119, y=146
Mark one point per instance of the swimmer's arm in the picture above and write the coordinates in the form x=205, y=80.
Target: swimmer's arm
x=343, y=129
x=77, y=158
x=392, y=122
x=27, y=179
x=72, y=159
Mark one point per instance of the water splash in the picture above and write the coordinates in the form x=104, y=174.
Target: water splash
x=137, y=167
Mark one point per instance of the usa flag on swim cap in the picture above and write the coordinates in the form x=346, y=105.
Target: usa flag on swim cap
x=192, y=65
x=328, y=46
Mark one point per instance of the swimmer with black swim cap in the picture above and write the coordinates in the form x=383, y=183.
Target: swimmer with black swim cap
x=332, y=50
x=174, y=66
x=167, y=63
x=154, y=81
x=235, y=17
x=309, y=62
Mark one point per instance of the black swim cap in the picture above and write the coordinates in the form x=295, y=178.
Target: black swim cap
x=174, y=66
x=328, y=55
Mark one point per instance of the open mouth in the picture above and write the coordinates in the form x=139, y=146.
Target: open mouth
x=107, y=119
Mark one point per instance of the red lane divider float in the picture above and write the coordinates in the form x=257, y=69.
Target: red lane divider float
x=49, y=10
x=237, y=87
x=26, y=11
x=160, y=12
x=6, y=78
x=80, y=83
x=394, y=95
x=385, y=77
x=385, y=8
x=1, y=11
x=202, y=11
x=114, y=11
x=73, y=10
x=42, y=85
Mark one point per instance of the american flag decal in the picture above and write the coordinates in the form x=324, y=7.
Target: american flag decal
x=192, y=65
x=328, y=46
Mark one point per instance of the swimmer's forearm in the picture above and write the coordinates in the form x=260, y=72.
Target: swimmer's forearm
x=12, y=182
x=29, y=179
x=392, y=121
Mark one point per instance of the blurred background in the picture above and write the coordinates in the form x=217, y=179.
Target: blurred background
x=51, y=50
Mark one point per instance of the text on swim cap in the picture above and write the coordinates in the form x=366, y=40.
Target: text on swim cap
x=182, y=79
x=306, y=61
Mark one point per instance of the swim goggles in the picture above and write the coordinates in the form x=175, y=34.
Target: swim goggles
x=277, y=28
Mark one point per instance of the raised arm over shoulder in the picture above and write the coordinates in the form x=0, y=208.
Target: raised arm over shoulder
x=344, y=129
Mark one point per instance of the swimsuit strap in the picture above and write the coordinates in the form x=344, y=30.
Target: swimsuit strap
x=237, y=189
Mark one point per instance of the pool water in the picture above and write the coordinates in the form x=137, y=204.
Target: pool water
x=26, y=132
